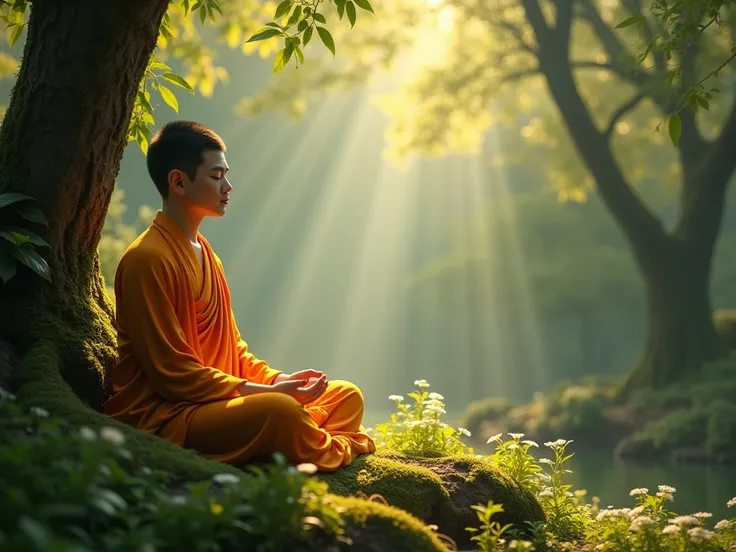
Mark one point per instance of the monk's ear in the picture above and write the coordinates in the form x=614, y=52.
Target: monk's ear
x=176, y=182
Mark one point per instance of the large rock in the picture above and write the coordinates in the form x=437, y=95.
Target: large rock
x=439, y=491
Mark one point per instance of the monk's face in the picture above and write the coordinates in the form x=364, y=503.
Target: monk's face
x=208, y=193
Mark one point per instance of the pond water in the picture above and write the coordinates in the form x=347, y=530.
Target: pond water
x=699, y=488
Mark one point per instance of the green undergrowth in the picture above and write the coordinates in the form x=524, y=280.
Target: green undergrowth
x=83, y=488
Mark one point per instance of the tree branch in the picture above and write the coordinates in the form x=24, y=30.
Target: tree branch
x=620, y=112
x=702, y=210
x=643, y=229
x=623, y=61
x=564, y=20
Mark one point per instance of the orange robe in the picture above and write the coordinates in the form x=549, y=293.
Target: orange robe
x=182, y=360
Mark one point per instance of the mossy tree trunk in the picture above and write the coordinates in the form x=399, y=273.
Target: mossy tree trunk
x=675, y=264
x=61, y=142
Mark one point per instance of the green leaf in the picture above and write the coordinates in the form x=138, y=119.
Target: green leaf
x=8, y=266
x=294, y=16
x=15, y=35
x=264, y=34
x=31, y=213
x=341, y=10
x=303, y=24
x=169, y=98
x=273, y=24
x=307, y=35
x=32, y=238
x=202, y=14
x=34, y=261
x=637, y=19
x=283, y=8
x=327, y=39
x=160, y=65
x=12, y=197
x=675, y=128
x=350, y=9
x=703, y=102
x=288, y=51
x=319, y=17
x=278, y=62
x=365, y=4
x=173, y=78
x=299, y=54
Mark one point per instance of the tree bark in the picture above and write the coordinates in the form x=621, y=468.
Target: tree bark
x=61, y=142
x=676, y=266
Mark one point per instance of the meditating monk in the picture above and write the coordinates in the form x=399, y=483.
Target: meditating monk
x=184, y=372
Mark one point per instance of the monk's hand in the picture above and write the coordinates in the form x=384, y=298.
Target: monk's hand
x=303, y=390
x=307, y=374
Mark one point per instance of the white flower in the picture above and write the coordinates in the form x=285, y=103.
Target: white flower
x=516, y=435
x=530, y=443
x=40, y=412
x=524, y=545
x=731, y=502
x=703, y=515
x=513, y=446
x=178, y=499
x=639, y=491
x=112, y=435
x=225, y=478
x=640, y=522
x=671, y=530
x=699, y=533
x=421, y=383
x=665, y=496
x=496, y=437
x=545, y=461
x=545, y=493
x=307, y=467
x=600, y=546
x=636, y=511
x=398, y=398
x=723, y=524
x=464, y=431
x=87, y=434
x=667, y=489
x=436, y=396
x=685, y=520
x=557, y=443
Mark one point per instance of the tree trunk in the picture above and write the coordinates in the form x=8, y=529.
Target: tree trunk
x=681, y=335
x=61, y=142
x=676, y=266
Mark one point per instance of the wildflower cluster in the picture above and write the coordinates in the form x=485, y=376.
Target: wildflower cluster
x=650, y=526
x=416, y=429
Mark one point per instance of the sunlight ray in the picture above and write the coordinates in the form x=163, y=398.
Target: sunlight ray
x=530, y=318
x=282, y=198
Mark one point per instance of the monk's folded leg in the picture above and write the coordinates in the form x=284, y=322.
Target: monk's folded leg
x=238, y=430
x=340, y=408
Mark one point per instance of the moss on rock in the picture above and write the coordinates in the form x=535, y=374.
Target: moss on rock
x=439, y=491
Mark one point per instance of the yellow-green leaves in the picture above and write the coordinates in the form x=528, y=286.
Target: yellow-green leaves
x=169, y=97
x=141, y=121
x=13, y=14
x=304, y=16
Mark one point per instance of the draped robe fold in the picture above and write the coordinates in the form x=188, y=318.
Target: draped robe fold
x=182, y=361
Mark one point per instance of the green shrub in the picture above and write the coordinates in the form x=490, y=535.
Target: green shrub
x=82, y=490
x=721, y=431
